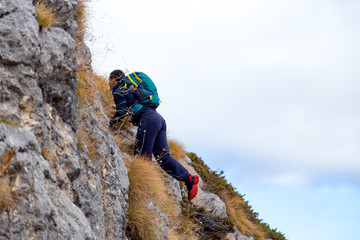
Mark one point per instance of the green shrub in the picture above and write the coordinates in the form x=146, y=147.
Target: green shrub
x=5, y=121
x=215, y=182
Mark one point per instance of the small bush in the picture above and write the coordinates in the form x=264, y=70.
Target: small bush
x=45, y=16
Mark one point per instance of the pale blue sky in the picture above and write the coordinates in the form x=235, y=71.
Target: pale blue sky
x=268, y=91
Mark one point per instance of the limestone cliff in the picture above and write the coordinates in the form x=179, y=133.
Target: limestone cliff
x=62, y=175
x=56, y=191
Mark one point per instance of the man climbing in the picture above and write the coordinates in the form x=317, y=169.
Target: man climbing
x=151, y=134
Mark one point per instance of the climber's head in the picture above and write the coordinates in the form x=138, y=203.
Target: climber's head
x=115, y=77
x=117, y=74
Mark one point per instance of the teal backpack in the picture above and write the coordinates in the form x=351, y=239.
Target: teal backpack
x=144, y=89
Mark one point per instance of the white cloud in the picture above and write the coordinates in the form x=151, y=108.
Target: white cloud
x=277, y=79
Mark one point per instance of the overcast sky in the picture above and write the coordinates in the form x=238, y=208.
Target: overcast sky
x=268, y=91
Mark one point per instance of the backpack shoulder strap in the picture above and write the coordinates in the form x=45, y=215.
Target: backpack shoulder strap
x=136, y=76
x=132, y=81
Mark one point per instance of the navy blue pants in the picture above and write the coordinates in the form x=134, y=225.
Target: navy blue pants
x=151, y=139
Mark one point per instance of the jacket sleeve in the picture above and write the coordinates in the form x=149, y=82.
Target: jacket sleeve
x=120, y=102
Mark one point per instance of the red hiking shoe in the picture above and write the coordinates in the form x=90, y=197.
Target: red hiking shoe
x=193, y=188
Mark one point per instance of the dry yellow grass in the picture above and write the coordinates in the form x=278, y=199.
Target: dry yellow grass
x=176, y=149
x=181, y=236
x=6, y=196
x=45, y=15
x=81, y=19
x=84, y=139
x=85, y=89
x=125, y=144
x=107, y=100
x=6, y=160
x=184, y=229
x=46, y=153
x=147, y=182
x=141, y=220
x=236, y=213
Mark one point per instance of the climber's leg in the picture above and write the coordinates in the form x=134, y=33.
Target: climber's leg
x=148, y=129
x=166, y=161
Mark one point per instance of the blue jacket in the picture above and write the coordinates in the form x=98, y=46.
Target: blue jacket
x=124, y=99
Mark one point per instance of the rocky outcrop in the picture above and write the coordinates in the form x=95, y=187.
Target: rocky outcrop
x=58, y=191
x=208, y=200
x=238, y=236
x=161, y=220
x=211, y=202
x=42, y=208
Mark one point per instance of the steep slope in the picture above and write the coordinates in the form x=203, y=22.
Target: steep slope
x=63, y=173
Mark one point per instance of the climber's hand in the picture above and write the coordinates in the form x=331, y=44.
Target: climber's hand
x=113, y=109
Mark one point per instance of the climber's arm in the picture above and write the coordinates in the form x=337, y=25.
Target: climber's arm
x=120, y=102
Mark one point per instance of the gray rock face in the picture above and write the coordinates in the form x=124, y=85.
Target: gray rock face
x=161, y=220
x=19, y=33
x=65, y=10
x=60, y=192
x=208, y=200
x=237, y=236
x=211, y=202
x=174, y=188
x=50, y=53
x=57, y=73
x=42, y=209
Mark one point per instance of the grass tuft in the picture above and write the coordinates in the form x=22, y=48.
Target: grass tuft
x=45, y=16
x=176, y=149
x=234, y=206
x=81, y=19
x=85, y=89
x=105, y=93
x=147, y=182
x=46, y=153
x=6, y=160
x=6, y=196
